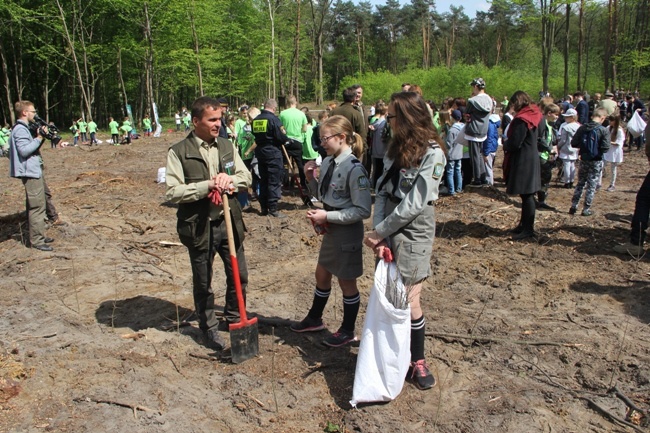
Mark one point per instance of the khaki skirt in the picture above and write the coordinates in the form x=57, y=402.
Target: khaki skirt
x=412, y=245
x=341, y=252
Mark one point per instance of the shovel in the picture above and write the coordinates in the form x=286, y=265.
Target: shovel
x=243, y=334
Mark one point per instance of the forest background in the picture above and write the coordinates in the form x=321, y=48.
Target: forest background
x=90, y=58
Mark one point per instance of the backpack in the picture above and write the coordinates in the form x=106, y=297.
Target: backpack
x=590, y=148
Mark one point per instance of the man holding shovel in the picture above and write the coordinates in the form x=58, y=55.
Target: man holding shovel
x=201, y=164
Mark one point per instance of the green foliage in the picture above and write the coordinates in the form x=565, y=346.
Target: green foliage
x=379, y=45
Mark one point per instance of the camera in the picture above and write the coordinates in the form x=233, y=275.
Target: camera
x=38, y=126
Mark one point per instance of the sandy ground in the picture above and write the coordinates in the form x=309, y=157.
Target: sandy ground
x=523, y=336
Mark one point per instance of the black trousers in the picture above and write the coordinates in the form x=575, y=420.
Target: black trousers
x=546, y=173
x=202, y=262
x=641, y=213
x=528, y=212
x=271, y=172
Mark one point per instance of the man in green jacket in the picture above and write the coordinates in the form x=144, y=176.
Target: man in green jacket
x=198, y=165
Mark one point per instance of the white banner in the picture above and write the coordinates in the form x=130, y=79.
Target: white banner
x=155, y=117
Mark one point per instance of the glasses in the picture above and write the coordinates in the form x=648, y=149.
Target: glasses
x=32, y=111
x=324, y=139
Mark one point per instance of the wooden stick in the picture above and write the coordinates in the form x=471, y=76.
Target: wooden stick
x=501, y=340
x=133, y=407
x=610, y=415
x=206, y=357
x=627, y=401
x=255, y=400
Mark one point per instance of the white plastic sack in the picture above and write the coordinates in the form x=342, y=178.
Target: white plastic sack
x=385, y=349
x=636, y=125
x=162, y=171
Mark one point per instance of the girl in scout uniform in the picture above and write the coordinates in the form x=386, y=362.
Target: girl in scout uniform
x=404, y=217
x=343, y=187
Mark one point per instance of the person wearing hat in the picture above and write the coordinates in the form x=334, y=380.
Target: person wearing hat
x=608, y=103
x=567, y=154
x=479, y=108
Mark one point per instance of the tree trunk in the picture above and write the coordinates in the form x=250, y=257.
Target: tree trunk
x=566, y=50
x=358, y=31
x=614, y=51
x=581, y=45
x=296, y=57
x=548, y=38
x=318, y=41
x=148, y=61
x=7, y=86
x=18, y=65
x=119, y=74
x=196, y=52
x=272, y=93
x=68, y=38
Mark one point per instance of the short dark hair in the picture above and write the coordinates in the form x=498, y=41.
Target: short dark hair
x=200, y=104
x=349, y=94
x=578, y=94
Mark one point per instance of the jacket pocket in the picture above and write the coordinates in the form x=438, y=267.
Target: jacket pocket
x=186, y=229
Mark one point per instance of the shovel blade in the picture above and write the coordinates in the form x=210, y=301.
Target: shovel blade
x=244, y=343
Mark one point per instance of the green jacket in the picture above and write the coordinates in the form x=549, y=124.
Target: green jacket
x=193, y=225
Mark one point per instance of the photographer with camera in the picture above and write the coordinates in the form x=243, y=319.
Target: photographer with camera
x=25, y=164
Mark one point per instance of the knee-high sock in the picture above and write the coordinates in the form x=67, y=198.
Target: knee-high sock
x=417, y=339
x=350, y=311
x=318, y=305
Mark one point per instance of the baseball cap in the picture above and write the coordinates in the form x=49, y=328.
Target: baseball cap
x=243, y=107
x=456, y=114
x=570, y=113
x=223, y=102
x=478, y=82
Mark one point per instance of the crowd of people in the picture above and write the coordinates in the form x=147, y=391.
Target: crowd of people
x=406, y=152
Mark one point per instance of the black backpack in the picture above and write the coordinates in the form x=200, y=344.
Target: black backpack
x=590, y=148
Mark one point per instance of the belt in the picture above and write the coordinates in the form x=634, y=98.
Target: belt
x=329, y=208
x=396, y=200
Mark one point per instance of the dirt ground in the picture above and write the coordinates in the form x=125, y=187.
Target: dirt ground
x=522, y=336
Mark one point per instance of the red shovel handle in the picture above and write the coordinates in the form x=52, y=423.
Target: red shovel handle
x=235, y=268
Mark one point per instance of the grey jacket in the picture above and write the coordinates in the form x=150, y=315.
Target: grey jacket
x=24, y=156
x=454, y=149
x=479, y=108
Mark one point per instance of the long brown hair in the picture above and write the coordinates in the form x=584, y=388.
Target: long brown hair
x=614, y=124
x=341, y=125
x=412, y=129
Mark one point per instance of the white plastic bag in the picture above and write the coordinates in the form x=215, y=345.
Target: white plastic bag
x=385, y=349
x=636, y=125
x=162, y=171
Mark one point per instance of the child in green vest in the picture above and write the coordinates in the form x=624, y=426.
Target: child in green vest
x=92, y=130
x=146, y=125
x=75, y=132
x=83, y=127
x=126, y=130
x=115, y=134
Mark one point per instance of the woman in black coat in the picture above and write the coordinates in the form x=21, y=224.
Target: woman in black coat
x=524, y=169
